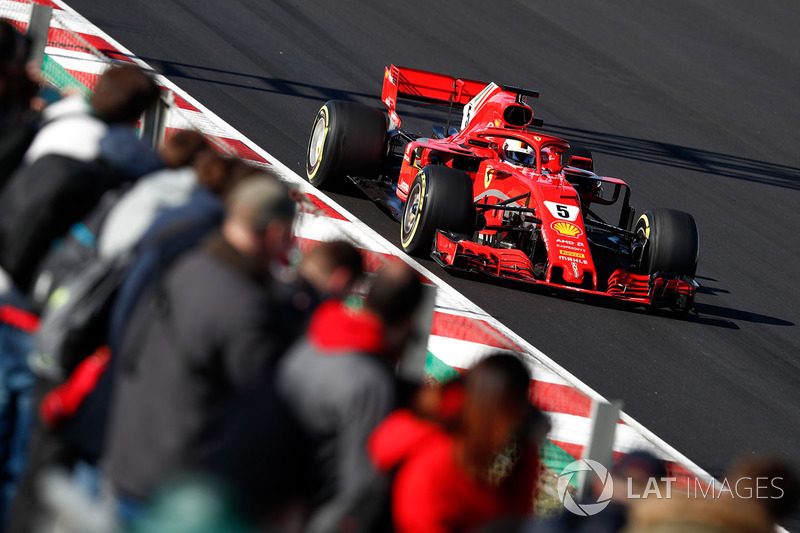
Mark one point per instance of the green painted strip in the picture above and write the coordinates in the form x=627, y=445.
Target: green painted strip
x=557, y=459
x=59, y=77
x=436, y=368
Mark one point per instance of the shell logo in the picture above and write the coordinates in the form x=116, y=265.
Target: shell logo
x=567, y=229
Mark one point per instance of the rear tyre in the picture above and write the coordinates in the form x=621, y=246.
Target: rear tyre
x=440, y=198
x=346, y=138
x=672, y=242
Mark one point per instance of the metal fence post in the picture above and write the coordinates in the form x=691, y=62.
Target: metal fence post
x=601, y=442
x=38, y=30
x=412, y=366
x=154, y=120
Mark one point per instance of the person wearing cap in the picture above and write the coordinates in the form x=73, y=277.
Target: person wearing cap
x=209, y=331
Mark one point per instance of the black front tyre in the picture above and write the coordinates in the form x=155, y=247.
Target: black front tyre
x=671, y=242
x=440, y=198
x=346, y=139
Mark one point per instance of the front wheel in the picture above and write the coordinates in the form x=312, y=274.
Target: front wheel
x=346, y=139
x=671, y=242
x=440, y=198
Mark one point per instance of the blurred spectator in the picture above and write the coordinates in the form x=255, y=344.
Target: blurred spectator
x=18, y=124
x=102, y=127
x=268, y=472
x=82, y=150
x=14, y=46
x=264, y=459
x=193, y=504
x=762, y=491
x=484, y=469
x=177, y=230
x=173, y=233
x=208, y=331
x=780, y=496
x=339, y=383
x=16, y=384
x=18, y=121
x=154, y=193
x=433, y=408
x=181, y=148
x=330, y=270
x=80, y=431
x=112, y=229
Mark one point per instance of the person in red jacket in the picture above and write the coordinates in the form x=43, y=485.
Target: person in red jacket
x=459, y=475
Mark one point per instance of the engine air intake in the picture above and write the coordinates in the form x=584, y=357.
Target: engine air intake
x=517, y=116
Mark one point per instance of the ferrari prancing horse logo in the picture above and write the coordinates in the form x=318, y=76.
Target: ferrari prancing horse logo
x=487, y=178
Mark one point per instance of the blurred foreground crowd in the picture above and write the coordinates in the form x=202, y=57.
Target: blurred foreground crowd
x=169, y=362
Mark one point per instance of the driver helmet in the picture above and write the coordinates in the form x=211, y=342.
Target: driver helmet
x=518, y=153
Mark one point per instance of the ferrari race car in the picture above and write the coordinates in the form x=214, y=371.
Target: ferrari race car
x=498, y=198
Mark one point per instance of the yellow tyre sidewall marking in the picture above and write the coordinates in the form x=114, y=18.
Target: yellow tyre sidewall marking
x=407, y=241
x=646, y=226
x=324, y=113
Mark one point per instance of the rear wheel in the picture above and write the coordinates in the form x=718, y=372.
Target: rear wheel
x=346, y=139
x=440, y=198
x=672, y=242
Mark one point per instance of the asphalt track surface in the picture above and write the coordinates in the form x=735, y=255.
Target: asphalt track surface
x=693, y=103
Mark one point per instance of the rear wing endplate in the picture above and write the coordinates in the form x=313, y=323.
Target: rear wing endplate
x=425, y=86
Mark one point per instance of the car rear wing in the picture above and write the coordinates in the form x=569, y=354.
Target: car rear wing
x=425, y=86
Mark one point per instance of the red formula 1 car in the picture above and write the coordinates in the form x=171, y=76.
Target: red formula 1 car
x=498, y=198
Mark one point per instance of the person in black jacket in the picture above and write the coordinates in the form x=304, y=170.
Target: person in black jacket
x=210, y=330
x=18, y=118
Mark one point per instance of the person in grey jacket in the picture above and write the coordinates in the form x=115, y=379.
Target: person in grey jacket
x=339, y=383
x=211, y=330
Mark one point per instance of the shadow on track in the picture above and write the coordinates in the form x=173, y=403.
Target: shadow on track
x=704, y=314
x=683, y=157
x=706, y=289
x=670, y=155
x=229, y=78
x=704, y=309
x=429, y=113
